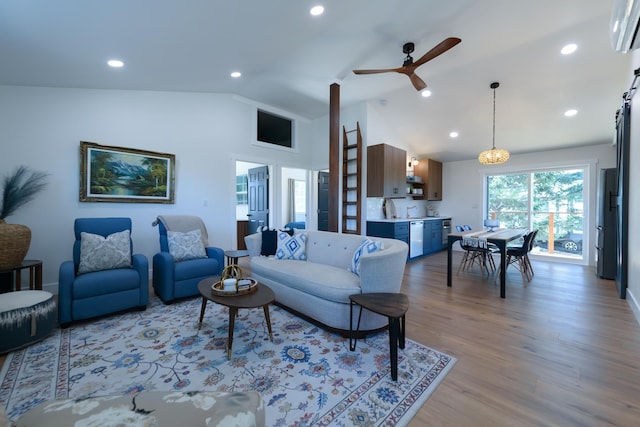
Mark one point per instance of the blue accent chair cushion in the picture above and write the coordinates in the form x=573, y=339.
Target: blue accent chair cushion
x=103, y=292
x=179, y=279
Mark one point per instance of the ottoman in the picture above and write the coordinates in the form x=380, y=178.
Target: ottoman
x=151, y=408
x=25, y=318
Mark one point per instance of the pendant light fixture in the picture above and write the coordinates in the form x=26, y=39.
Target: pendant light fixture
x=494, y=156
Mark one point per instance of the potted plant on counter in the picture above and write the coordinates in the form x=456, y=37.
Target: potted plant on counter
x=19, y=187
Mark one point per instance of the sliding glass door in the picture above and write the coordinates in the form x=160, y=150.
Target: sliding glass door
x=551, y=201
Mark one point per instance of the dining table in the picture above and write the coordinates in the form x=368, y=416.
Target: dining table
x=500, y=237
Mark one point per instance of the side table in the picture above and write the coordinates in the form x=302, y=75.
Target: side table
x=233, y=255
x=35, y=273
x=394, y=306
x=261, y=297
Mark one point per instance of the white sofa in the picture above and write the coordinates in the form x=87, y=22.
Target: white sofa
x=319, y=287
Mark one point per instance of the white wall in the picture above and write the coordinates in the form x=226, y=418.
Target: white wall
x=463, y=190
x=633, y=290
x=42, y=128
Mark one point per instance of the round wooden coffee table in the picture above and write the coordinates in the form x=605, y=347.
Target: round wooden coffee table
x=261, y=297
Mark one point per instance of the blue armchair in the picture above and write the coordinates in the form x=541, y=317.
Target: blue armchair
x=179, y=279
x=107, y=290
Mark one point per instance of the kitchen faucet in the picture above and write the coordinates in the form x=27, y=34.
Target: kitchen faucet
x=409, y=207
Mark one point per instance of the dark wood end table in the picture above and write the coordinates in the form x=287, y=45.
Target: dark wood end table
x=35, y=273
x=261, y=297
x=394, y=306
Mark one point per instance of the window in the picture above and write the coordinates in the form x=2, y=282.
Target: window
x=241, y=190
x=551, y=201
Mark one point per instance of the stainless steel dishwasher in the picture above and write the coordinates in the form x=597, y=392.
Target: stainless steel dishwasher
x=416, y=238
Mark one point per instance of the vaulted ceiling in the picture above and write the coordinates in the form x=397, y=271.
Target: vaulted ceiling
x=288, y=59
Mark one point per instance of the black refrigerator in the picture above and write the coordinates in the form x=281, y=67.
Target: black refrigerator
x=606, y=235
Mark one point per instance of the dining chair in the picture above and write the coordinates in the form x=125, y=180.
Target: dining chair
x=519, y=257
x=477, y=250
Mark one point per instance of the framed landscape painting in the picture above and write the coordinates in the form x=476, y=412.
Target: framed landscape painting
x=116, y=174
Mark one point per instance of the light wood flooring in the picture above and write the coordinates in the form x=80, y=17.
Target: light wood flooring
x=564, y=351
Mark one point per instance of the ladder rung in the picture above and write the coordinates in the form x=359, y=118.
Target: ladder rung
x=350, y=146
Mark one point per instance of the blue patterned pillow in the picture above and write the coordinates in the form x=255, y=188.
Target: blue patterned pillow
x=104, y=253
x=367, y=246
x=292, y=247
x=184, y=246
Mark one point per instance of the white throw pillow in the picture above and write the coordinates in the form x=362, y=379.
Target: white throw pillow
x=292, y=247
x=184, y=246
x=104, y=253
x=367, y=246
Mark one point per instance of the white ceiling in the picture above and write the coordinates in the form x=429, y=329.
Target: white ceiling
x=289, y=58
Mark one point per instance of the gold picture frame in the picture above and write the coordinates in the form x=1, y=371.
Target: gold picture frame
x=125, y=175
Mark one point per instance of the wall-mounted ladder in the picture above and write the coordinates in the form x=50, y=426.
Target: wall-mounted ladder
x=351, y=181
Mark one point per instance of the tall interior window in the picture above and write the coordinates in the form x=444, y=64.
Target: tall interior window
x=551, y=201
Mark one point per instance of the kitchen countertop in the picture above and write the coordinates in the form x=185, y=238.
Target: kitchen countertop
x=426, y=218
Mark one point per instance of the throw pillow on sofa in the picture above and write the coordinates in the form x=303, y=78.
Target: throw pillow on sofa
x=184, y=246
x=270, y=240
x=104, y=253
x=367, y=246
x=292, y=247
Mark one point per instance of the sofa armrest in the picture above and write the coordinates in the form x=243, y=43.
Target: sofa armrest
x=217, y=254
x=164, y=275
x=254, y=244
x=382, y=271
x=141, y=265
x=66, y=275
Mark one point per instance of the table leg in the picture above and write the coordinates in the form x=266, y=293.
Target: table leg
x=353, y=337
x=394, y=327
x=402, y=326
x=268, y=319
x=204, y=306
x=18, y=279
x=449, y=260
x=503, y=267
x=233, y=312
x=39, y=277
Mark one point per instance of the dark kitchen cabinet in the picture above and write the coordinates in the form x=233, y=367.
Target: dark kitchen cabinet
x=392, y=230
x=386, y=171
x=431, y=173
x=432, y=236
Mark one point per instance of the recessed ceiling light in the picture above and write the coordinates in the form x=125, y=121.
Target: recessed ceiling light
x=317, y=10
x=426, y=93
x=569, y=49
x=115, y=63
x=570, y=113
x=236, y=74
x=453, y=134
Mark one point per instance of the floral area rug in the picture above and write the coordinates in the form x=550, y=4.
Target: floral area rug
x=306, y=376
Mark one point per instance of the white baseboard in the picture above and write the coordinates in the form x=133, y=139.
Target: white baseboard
x=634, y=304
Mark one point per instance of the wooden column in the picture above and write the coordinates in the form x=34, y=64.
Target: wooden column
x=334, y=156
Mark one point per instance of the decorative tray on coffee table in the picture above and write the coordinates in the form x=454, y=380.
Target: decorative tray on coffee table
x=244, y=286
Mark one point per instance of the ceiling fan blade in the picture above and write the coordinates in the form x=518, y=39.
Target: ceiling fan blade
x=385, y=70
x=418, y=83
x=441, y=48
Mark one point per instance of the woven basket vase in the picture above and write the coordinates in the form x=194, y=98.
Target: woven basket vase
x=14, y=243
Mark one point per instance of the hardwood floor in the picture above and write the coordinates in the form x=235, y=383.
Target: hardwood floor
x=564, y=351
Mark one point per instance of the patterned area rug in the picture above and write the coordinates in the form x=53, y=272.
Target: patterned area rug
x=306, y=376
